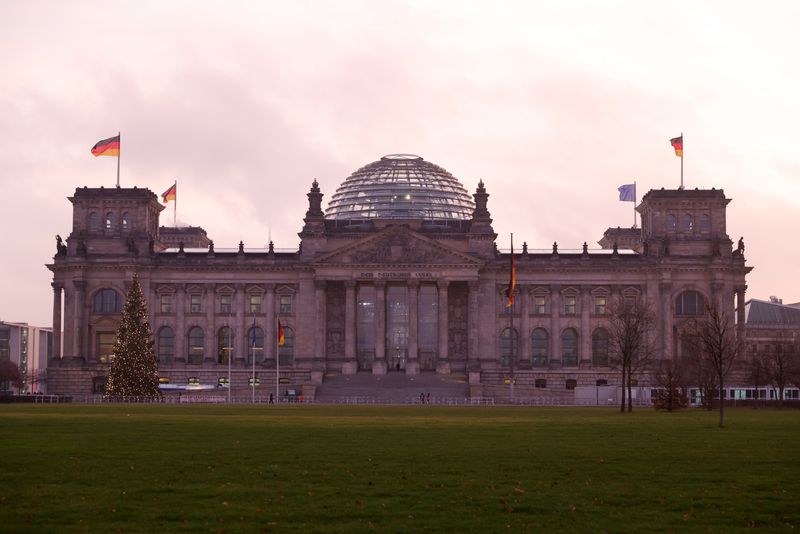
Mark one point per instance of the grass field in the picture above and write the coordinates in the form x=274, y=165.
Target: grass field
x=163, y=468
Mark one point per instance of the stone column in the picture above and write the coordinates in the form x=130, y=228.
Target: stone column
x=555, y=324
x=241, y=348
x=350, y=366
x=442, y=363
x=320, y=336
x=585, y=343
x=180, y=323
x=210, y=351
x=473, y=348
x=524, y=354
x=740, y=320
x=79, y=335
x=379, y=363
x=57, y=287
x=271, y=325
x=412, y=362
x=665, y=289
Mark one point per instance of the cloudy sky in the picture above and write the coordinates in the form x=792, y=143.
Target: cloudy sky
x=552, y=104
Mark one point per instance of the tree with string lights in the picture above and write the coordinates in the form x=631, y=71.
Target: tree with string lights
x=134, y=369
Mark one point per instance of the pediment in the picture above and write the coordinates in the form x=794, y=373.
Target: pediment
x=396, y=246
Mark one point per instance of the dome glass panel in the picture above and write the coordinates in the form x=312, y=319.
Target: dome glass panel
x=401, y=186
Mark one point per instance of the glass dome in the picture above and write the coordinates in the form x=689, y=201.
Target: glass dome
x=401, y=186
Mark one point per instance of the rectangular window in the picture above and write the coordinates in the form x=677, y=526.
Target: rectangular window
x=196, y=303
x=105, y=347
x=255, y=303
x=600, y=305
x=286, y=304
x=225, y=303
x=540, y=383
x=5, y=343
x=539, y=305
x=570, y=305
x=166, y=303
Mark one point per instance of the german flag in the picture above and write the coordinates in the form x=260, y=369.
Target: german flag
x=170, y=194
x=677, y=144
x=280, y=334
x=107, y=147
x=512, y=279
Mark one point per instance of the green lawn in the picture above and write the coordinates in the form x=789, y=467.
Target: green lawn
x=166, y=468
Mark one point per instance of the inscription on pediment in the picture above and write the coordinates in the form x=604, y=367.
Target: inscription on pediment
x=398, y=249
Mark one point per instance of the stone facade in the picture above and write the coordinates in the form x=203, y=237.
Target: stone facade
x=386, y=295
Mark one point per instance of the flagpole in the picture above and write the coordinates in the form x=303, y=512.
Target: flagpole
x=634, y=203
x=511, y=329
x=253, y=355
x=119, y=156
x=682, y=154
x=277, y=362
x=230, y=348
x=175, y=206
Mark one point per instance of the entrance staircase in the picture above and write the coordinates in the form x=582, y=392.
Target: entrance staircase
x=392, y=388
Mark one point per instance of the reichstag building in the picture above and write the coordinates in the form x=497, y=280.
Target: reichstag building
x=399, y=275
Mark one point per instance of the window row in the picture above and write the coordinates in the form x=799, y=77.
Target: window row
x=224, y=303
x=687, y=222
x=110, y=222
x=542, y=305
x=225, y=345
x=541, y=354
x=108, y=300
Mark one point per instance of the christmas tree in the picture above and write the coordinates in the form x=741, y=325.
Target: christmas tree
x=134, y=369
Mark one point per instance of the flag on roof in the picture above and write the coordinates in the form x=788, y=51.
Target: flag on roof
x=677, y=144
x=170, y=194
x=627, y=192
x=107, y=147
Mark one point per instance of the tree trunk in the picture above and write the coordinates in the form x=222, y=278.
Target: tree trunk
x=630, y=397
x=622, y=405
x=721, y=402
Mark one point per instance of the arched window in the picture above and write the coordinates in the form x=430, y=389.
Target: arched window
x=569, y=348
x=224, y=344
x=690, y=303
x=196, y=345
x=286, y=352
x=509, y=344
x=107, y=301
x=687, y=223
x=166, y=345
x=671, y=222
x=540, y=343
x=255, y=344
x=110, y=221
x=600, y=347
x=126, y=222
x=94, y=222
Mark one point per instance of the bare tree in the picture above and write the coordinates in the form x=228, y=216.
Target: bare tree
x=779, y=361
x=631, y=346
x=670, y=376
x=757, y=368
x=716, y=346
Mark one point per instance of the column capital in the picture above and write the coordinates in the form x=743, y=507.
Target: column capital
x=350, y=284
x=320, y=284
x=269, y=287
x=413, y=284
x=442, y=283
x=379, y=284
x=80, y=285
x=57, y=286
